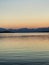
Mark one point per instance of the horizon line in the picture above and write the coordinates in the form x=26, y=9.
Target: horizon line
x=24, y=27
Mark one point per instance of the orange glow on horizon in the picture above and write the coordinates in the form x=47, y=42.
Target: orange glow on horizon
x=34, y=23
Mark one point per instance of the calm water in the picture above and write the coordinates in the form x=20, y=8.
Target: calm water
x=24, y=49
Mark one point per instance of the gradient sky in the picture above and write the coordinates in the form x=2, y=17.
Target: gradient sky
x=24, y=13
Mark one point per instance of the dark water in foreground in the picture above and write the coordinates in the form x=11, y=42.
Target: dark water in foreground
x=24, y=49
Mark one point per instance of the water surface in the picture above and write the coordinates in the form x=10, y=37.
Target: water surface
x=24, y=49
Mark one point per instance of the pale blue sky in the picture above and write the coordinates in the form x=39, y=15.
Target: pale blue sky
x=24, y=10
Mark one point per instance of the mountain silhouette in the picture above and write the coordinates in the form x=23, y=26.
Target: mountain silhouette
x=23, y=30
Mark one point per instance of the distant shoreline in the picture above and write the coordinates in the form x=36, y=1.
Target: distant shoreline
x=25, y=30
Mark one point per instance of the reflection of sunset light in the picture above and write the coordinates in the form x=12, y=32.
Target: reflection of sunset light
x=35, y=43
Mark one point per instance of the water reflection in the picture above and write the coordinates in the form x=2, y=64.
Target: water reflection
x=33, y=48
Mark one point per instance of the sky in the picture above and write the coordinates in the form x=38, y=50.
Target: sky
x=24, y=13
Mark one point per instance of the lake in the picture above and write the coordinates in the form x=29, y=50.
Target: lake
x=24, y=48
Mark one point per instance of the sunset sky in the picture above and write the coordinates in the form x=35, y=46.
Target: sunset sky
x=24, y=13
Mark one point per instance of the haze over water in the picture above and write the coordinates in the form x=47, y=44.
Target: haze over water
x=24, y=49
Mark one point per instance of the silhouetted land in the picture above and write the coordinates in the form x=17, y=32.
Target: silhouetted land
x=24, y=30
